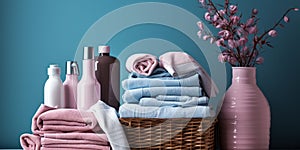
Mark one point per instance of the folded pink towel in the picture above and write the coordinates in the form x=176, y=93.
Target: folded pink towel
x=74, y=138
x=76, y=148
x=180, y=64
x=30, y=141
x=50, y=120
x=143, y=64
x=43, y=108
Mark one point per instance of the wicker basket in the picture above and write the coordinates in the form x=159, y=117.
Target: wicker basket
x=185, y=134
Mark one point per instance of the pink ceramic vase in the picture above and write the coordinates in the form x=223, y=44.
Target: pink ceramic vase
x=245, y=114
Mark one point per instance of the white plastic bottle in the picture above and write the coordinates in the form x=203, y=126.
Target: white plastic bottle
x=53, y=89
x=88, y=88
x=70, y=84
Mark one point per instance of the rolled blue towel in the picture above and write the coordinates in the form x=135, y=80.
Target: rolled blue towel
x=194, y=101
x=133, y=96
x=137, y=111
x=134, y=83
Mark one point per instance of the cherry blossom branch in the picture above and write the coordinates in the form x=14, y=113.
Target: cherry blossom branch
x=233, y=34
x=266, y=32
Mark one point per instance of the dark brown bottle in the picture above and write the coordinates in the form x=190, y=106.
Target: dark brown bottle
x=108, y=75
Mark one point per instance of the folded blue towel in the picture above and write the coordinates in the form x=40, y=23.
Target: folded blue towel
x=157, y=73
x=134, y=83
x=137, y=111
x=176, y=98
x=195, y=101
x=133, y=96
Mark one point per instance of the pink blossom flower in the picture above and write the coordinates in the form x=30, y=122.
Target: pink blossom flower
x=221, y=12
x=233, y=43
x=222, y=58
x=222, y=24
x=243, y=41
x=286, y=19
x=200, y=25
x=252, y=30
x=224, y=34
x=243, y=26
x=235, y=19
x=272, y=33
x=220, y=42
x=249, y=22
x=219, y=25
x=207, y=16
x=232, y=60
x=202, y=2
x=296, y=9
x=206, y=37
x=240, y=31
x=212, y=40
x=233, y=9
x=199, y=33
x=254, y=11
x=259, y=60
x=215, y=18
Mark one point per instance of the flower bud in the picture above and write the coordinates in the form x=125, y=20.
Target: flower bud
x=232, y=60
x=259, y=60
x=207, y=16
x=203, y=3
x=254, y=11
x=252, y=30
x=220, y=42
x=286, y=19
x=243, y=41
x=235, y=19
x=199, y=33
x=212, y=40
x=200, y=25
x=272, y=33
x=206, y=37
x=250, y=22
x=221, y=12
x=224, y=34
x=222, y=58
x=215, y=18
x=233, y=9
x=233, y=43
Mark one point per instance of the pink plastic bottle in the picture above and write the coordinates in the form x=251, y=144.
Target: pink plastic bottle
x=70, y=84
x=88, y=88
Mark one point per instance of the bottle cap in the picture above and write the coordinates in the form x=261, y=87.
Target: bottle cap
x=53, y=69
x=72, y=67
x=88, y=52
x=103, y=49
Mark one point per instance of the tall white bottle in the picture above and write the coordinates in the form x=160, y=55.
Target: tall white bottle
x=70, y=84
x=53, y=89
x=88, y=88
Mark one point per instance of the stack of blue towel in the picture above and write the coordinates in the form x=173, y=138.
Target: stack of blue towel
x=161, y=95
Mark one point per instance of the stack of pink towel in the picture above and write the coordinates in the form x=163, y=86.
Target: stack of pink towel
x=64, y=129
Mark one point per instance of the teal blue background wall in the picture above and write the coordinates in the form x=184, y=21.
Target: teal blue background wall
x=34, y=33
